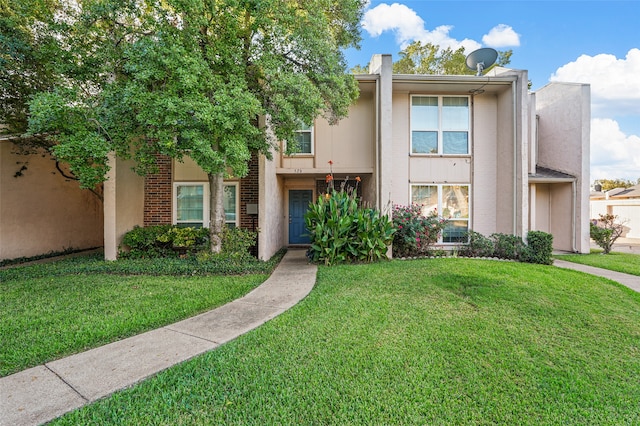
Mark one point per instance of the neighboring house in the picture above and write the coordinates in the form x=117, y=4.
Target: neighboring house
x=621, y=202
x=41, y=210
x=482, y=151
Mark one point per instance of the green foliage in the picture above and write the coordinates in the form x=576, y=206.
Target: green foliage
x=137, y=84
x=606, y=230
x=478, y=246
x=189, y=266
x=415, y=233
x=427, y=342
x=506, y=246
x=162, y=241
x=341, y=230
x=236, y=243
x=539, y=248
x=428, y=58
x=609, y=184
x=25, y=66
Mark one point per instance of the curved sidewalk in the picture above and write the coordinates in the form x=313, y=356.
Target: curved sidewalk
x=42, y=393
x=628, y=280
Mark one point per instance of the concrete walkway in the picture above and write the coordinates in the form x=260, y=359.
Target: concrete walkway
x=42, y=393
x=631, y=281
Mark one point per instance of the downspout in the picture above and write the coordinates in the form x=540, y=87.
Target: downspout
x=573, y=216
x=378, y=147
x=515, y=156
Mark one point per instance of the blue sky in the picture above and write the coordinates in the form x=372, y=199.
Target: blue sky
x=595, y=42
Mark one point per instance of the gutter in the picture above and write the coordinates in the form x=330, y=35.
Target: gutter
x=515, y=156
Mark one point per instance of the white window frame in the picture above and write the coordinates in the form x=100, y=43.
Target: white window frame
x=311, y=132
x=236, y=222
x=439, y=130
x=205, y=202
x=440, y=187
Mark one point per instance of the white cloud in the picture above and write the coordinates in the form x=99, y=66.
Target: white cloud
x=615, y=83
x=409, y=27
x=614, y=154
x=501, y=36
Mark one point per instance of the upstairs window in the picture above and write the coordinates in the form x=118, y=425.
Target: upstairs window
x=440, y=125
x=304, y=139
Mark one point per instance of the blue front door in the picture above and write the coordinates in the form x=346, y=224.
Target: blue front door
x=299, y=200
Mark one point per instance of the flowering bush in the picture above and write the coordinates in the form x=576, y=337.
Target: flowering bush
x=605, y=230
x=414, y=232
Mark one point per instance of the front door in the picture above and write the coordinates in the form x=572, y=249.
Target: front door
x=299, y=200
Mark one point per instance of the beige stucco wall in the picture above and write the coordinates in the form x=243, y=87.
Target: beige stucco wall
x=123, y=204
x=271, y=209
x=564, y=120
x=484, y=164
x=41, y=211
x=349, y=144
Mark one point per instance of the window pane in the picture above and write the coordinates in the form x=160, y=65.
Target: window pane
x=190, y=203
x=229, y=202
x=455, y=201
x=455, y=114
x=455, y=142
x=455, y=231
x=304, y=142
x=424, y=142
x=424, y=113
x=425, y=196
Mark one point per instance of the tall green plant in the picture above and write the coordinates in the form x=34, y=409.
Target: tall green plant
x=341, y=230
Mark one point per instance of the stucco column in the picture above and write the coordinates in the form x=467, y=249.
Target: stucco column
x=109, y=194
x=383, y=66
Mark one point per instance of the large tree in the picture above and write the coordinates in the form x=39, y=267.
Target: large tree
x=428, y=58
x=194, y=77
x=25, y=67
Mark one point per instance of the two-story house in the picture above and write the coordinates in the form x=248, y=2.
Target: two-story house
x=482, y=151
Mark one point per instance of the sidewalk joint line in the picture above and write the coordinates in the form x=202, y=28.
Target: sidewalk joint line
x=66, y=383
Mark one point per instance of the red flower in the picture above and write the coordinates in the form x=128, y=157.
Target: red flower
x=329, y=178
x=358, y=179
x=330, y=162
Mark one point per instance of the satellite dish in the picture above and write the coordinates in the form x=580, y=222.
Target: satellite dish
x=481, y=59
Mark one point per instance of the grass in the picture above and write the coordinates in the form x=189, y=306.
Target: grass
x=621, y=262
x=440, y=341
x=51, y=310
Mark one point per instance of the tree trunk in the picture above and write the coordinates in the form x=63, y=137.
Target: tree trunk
x=216, y=211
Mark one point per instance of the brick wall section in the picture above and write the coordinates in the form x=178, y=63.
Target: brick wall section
x=157, y=193
x=249, y=193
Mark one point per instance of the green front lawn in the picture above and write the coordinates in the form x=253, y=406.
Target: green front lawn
x=53, y=310
x=434, y=341
x=622, y=262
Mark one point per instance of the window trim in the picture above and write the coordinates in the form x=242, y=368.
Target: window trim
x=440, y=131
x=440, y=187
x=236, y=223
x=311, y=131
x=205, y=202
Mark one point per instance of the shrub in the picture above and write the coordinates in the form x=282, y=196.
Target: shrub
x=507, y=246
x=341, y=230
x=236, y=243
x=539, y=248
x=415, y=233
x=605, y=231
x=478, y=246
x=162, y=241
